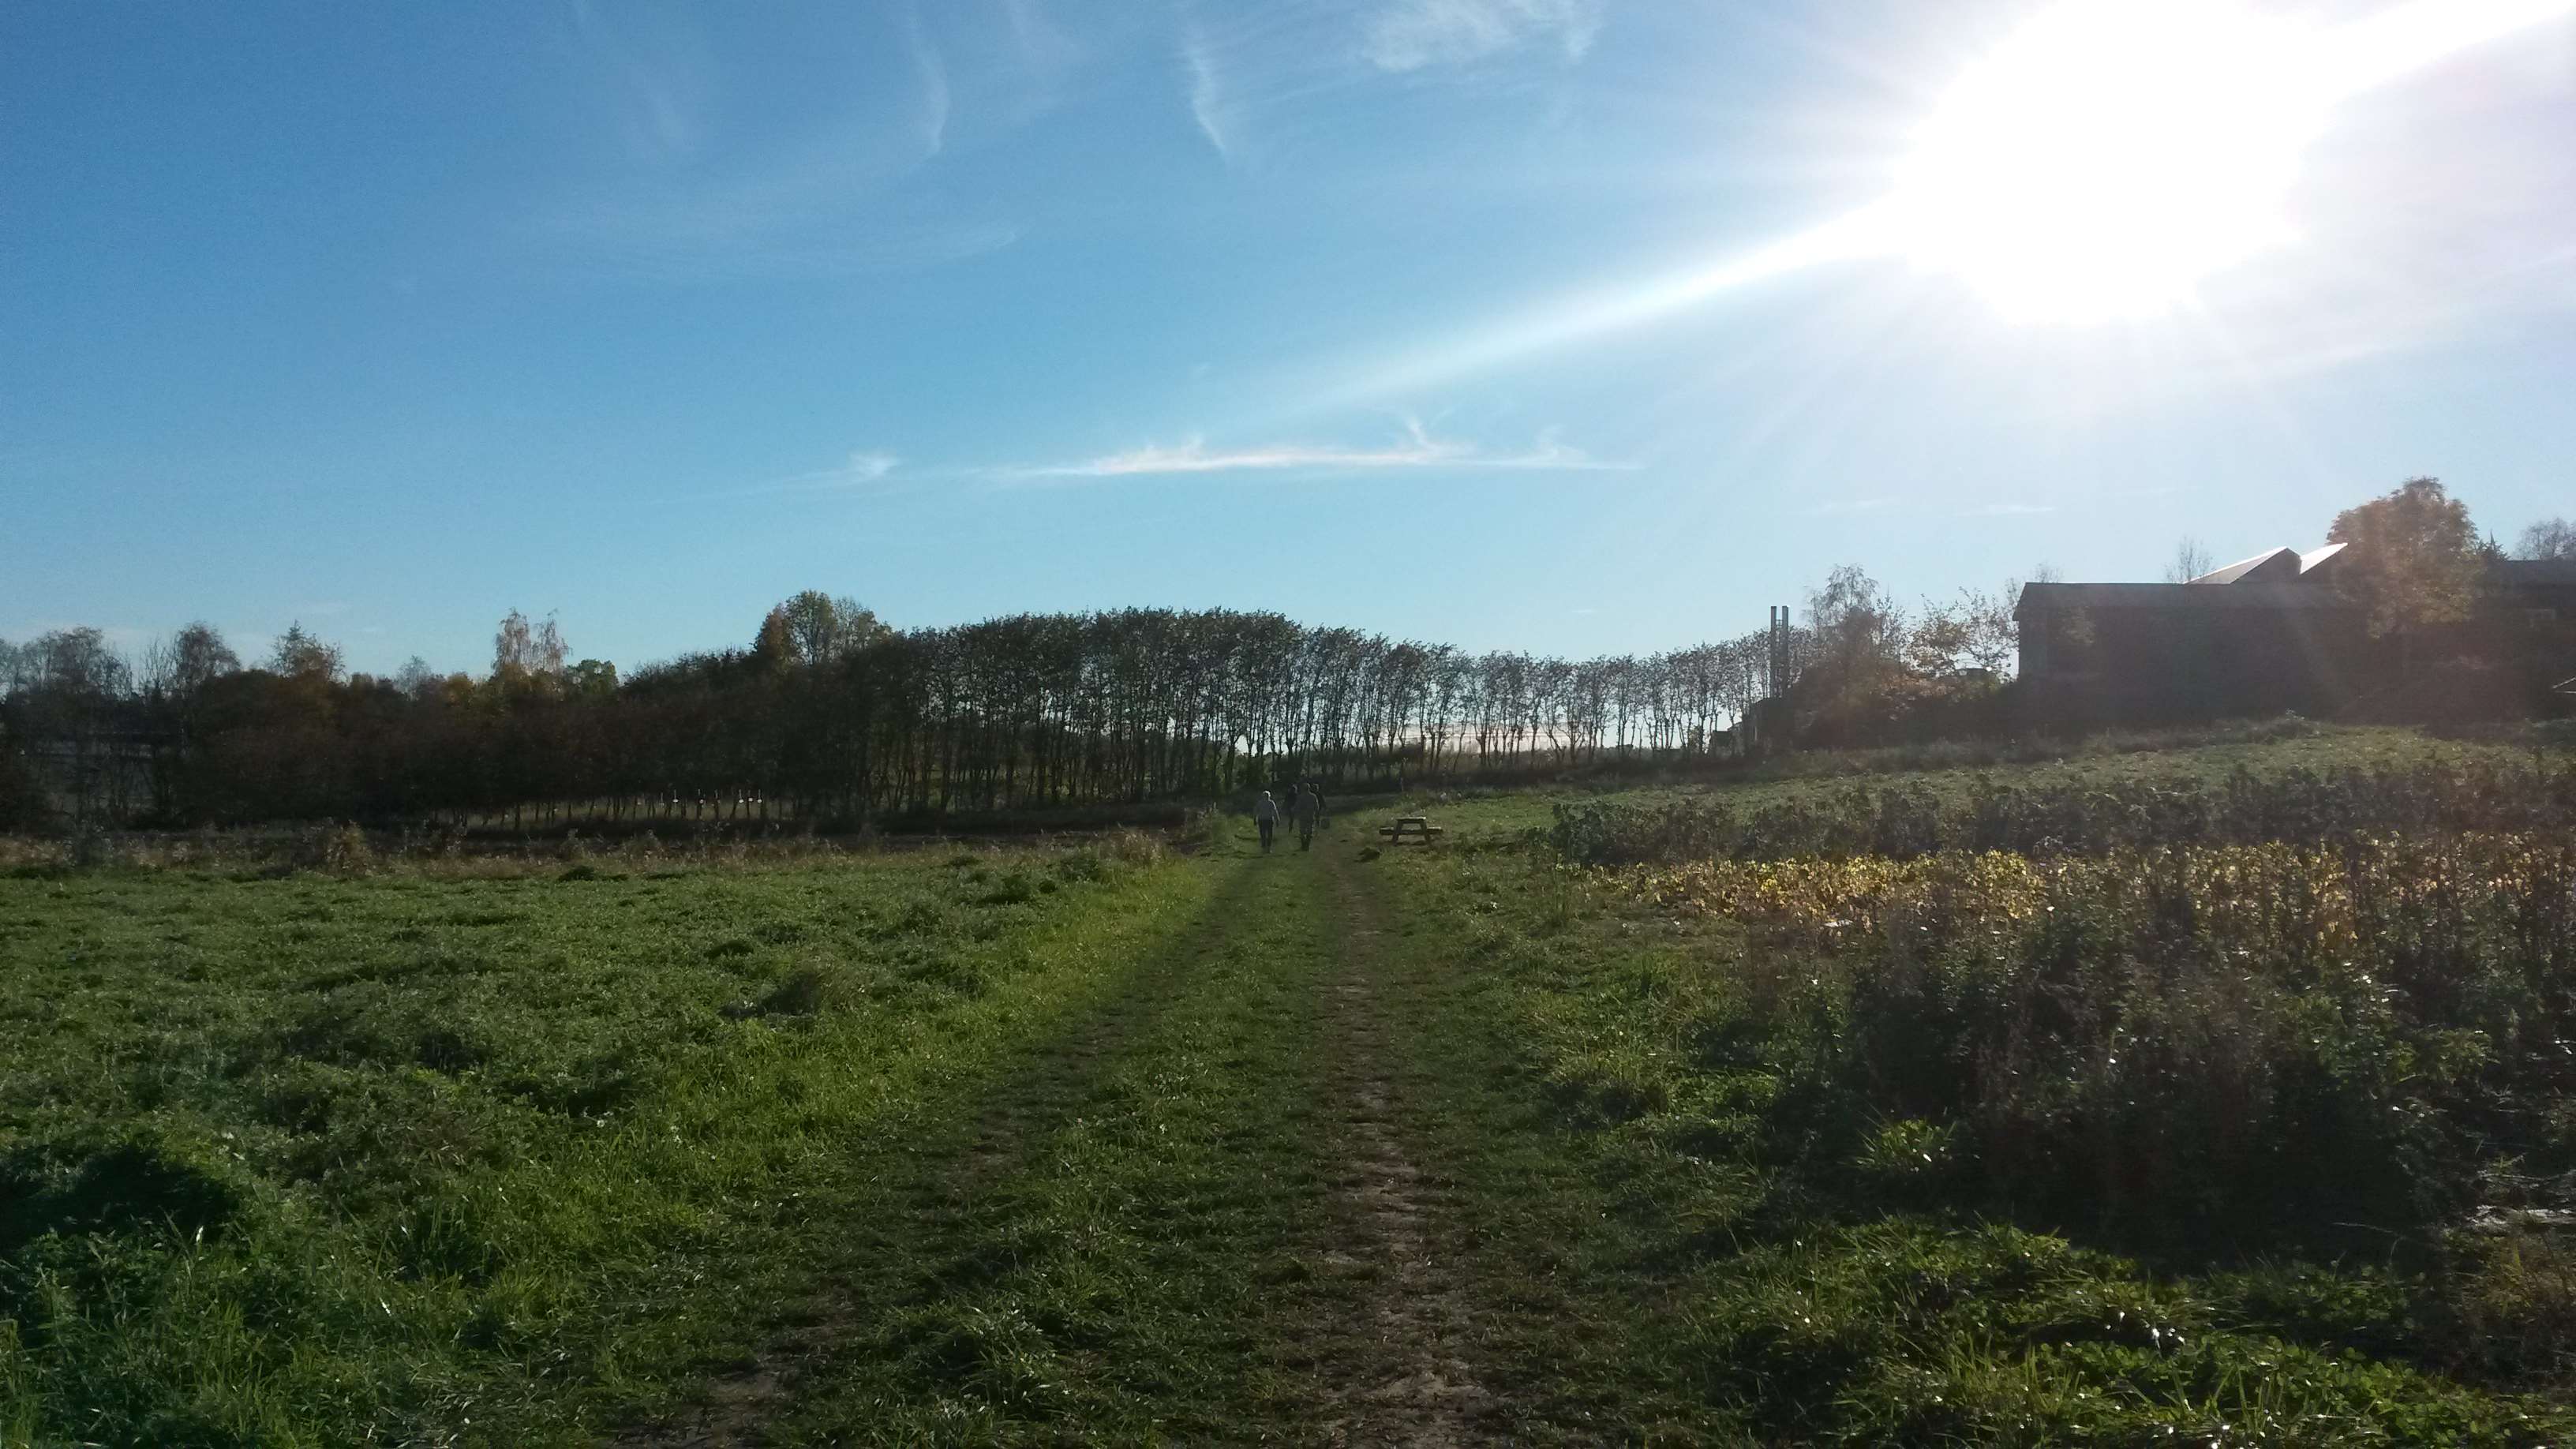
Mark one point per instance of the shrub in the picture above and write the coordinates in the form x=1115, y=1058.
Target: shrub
x=2248, y=1041
x=1132, y=847
x=1909, y=819
x=339, y=849
x=93, y=846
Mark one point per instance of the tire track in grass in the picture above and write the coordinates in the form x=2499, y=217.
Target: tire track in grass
x=932, y=1182
x=1420, y=1384
x=1125, y=1239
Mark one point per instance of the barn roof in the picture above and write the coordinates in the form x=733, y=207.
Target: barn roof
x=2179, y=597
x=2279, y=579
x=2270, y=564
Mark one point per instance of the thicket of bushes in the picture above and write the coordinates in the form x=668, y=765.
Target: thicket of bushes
x=2212, y=1021
x=2230, y=1043
x=2301, y=805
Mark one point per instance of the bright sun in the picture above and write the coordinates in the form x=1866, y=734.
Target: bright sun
x=2111, y=154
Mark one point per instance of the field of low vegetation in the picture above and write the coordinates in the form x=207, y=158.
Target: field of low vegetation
x=2092, y=1101
x=2215, y=1088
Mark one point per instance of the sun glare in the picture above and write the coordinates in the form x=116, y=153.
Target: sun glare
x=2110, y=155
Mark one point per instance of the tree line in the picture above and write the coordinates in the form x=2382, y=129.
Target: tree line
x=827, y=714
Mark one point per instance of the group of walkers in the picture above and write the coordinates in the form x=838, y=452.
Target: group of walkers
x=1305, y=810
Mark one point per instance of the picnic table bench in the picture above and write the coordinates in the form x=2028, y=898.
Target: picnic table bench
x=1409, y=827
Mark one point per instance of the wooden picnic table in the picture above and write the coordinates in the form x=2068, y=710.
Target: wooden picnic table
x=1409, y=827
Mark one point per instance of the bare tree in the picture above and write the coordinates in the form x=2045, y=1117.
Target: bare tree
x=2191, y=559
x=514, y=647
x=548, y=650
x=198, y=657
x=2551, y=538
x=418, y=680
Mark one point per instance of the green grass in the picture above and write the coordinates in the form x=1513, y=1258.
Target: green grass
x=1681, y=1273
x=322, y=1161
x=1055, y=1146
x=1798, y=779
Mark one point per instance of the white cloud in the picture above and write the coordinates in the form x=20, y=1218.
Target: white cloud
x=868, y=467
x=1207, y=105
x=862, y=468
x=932, y=73
x=1417, y=450
x=1411, y=34
x=2012, y=510
x=835, y=198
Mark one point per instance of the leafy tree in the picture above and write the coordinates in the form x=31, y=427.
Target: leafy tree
x=817, y=628
x=1975, y=631
x=593, y=679
x=299, y=655
x=2551, y=538
x=2413, y=560
x=775, y=646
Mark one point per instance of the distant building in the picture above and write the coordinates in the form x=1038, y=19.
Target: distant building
x=2260, y=636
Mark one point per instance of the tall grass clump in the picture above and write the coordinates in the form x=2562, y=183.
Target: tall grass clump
x=334, y=849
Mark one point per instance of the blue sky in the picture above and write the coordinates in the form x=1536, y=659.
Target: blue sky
x=393, y=319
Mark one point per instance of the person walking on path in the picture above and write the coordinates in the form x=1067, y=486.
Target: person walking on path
x=1302, y=810
x=1265, y=813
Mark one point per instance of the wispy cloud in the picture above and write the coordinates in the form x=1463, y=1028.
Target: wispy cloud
x=658, y=75
x=1411, y=34
x=831, y=199
x=1848, y=507
x=818, y=210
x=868, y=467
x=932, y=73
x=1418, y=449
x=1207, y=103
x=859, y=470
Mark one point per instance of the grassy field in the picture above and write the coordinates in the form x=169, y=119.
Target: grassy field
x=2201, y=758
x=334, y=1160
x=2251, y=1140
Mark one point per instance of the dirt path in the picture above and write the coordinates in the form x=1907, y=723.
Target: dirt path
x=1291, y=1063
x=1424, y=1389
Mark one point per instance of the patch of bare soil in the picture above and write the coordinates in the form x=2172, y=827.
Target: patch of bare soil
x=1416, y=1385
